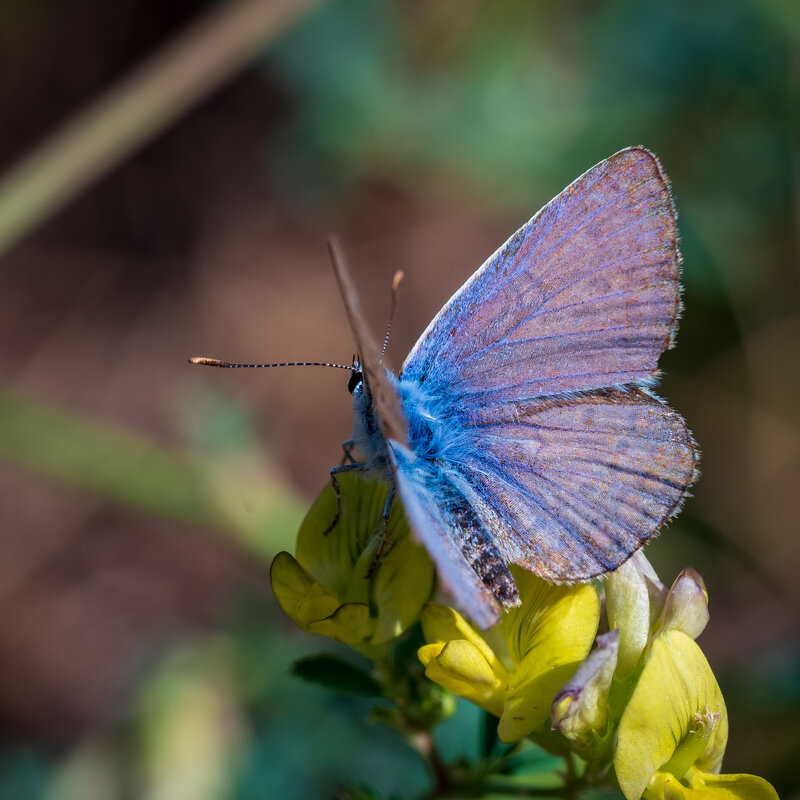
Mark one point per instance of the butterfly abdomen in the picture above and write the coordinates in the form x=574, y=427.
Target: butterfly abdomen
x=436, y=442
x=478, y=547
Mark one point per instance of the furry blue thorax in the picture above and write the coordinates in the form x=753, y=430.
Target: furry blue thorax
x=430, y=437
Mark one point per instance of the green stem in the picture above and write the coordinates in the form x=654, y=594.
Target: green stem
x=423, y=742
x=97, y=138
x=573, y=782
x=136, y=472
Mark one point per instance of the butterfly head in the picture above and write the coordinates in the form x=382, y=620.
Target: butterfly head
x=356, y=383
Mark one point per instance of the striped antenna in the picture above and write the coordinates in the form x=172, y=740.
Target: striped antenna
x=215, y=362
x=398, y=277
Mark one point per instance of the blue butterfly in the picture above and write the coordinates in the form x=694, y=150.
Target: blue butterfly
x=522, y=428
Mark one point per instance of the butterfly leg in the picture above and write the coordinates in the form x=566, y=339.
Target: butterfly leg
x=354, y=467
x=384, y=540
x=347, y=448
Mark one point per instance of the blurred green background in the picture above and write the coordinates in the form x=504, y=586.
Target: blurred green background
x=141, y=652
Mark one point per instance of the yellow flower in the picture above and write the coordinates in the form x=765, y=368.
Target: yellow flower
x=350, y=584
x=699, y=785
x=675, y=719
x=674, y=727
x=580, y=709
x=634, y=599
x=587, y=709
x=537, y=648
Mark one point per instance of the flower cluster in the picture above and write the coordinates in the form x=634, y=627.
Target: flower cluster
x=355, y=583
x=608, y=672
x=535, y=650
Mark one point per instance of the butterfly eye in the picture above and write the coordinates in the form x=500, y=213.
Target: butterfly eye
x=355, y=381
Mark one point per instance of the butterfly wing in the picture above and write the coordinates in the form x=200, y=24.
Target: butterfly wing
x=537, y=361
x=583, y=296
x=423, y=509
x=384, y=395
x=576, y=485
x=429, y=520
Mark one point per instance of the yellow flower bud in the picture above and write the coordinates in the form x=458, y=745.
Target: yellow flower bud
x=580, y=710
x=634, y=599
x=686, y=606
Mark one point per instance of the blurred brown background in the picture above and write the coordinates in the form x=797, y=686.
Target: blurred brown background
x=142, y=499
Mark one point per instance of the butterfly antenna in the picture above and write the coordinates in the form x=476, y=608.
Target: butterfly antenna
x=398, y=277
x=215, y=362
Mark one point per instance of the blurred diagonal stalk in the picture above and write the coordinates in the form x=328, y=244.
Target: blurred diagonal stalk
x=156, y=94
x=243, y=500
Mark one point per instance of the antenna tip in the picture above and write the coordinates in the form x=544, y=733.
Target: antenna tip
x=208, y=362
x=397, y=280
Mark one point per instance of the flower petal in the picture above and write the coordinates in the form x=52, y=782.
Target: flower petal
x=356, y=563
x=665, y=786
x=299, y=595
x=580, y=709
x=675, y=718
x=318, y=604
x=548, y=636
x=732, y=787
x=632, y=591
x=331, y=557
x=402, y=583
x=462, y=667
x=686, y=608
x=705, y=786
x=350, y=623
x=444, y=624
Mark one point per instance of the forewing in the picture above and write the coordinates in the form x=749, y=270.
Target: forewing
x=583, y=296
x=429, y=523
x=384, y=395
x=576, y=485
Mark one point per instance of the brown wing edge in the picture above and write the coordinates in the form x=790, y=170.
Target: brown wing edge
x=390, y=414
x=648, y=396
x=676, y=237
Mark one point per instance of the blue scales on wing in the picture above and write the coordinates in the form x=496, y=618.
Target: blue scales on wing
x=445, y=535
x=576, y=486
x=541, y=363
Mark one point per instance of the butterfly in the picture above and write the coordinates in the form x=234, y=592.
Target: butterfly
x=522, y=428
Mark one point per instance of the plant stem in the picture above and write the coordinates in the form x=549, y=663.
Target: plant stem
x=139, y=473
x=572, y=782
x=154, y=95
x=423, y=742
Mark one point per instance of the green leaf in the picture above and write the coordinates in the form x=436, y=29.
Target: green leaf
x=360, y=791
x=336, y=675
